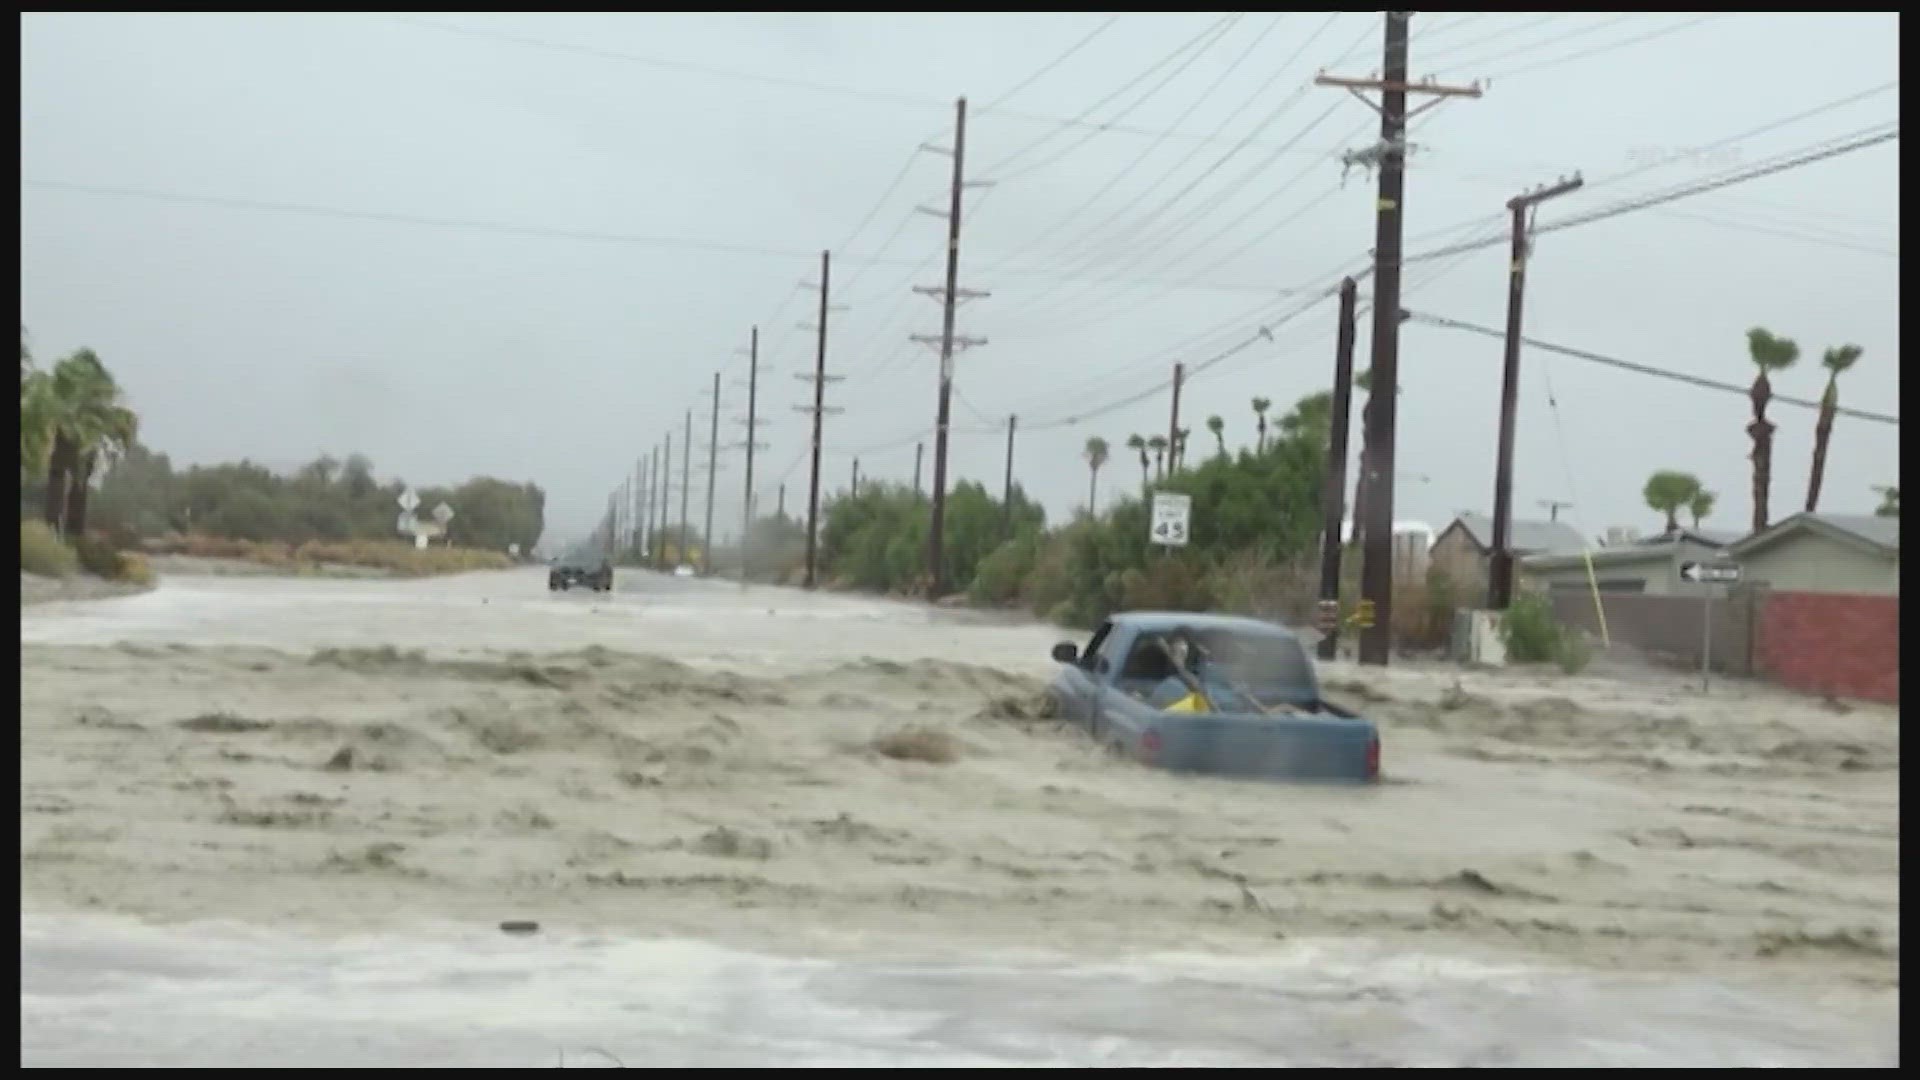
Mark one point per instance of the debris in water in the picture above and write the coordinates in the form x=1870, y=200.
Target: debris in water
x=520, y=926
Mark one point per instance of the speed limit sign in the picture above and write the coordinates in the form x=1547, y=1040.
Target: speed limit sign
x=1172, y=513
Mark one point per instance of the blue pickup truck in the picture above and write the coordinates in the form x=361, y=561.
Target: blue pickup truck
x=1261, y=713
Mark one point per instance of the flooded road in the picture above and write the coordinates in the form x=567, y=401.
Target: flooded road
x=269, y=821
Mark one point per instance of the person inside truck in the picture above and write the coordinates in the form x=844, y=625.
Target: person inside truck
x=1187, y=686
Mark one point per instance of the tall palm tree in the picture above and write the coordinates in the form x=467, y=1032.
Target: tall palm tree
x=1158, y=444
x=1700, y=507
x=1835, y=361
x=1096, y=454
x=1219, y=428
x=1260, y=407
x=1667, y=491
x=1139, y=446
x=1769, y=354
x=1889, y=501
x=86, y=422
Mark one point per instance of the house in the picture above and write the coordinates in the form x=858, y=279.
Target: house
x=1463, y=549
x=1855, y=554
x=1650, y=566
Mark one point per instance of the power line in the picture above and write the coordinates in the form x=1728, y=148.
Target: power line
x=1686, y=191
x=1606, y=48
x=1645, y=369
x=1048, y=68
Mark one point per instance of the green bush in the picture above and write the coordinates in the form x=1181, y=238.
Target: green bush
x=1530, y=630
x=1534, y=635
x=1003, y=573
x=98, y=557
x=41, y=552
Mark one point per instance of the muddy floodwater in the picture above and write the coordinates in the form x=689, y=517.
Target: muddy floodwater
x=271, y=821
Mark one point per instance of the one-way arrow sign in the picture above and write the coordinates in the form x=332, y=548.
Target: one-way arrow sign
x=1705, y=572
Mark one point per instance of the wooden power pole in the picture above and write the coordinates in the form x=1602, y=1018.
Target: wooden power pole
x=919, y=451
x=1006, y=496
x=1389, y=154
x=1173, y=420
x=818, y=409
x=752, y=444
x=686, y=489
x=713, y=474
x=950, y=296
x=1500, y=566
x=666, y=494
x=1333, y=504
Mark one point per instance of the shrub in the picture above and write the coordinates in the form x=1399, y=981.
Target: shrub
x=1530, y=630
x=1001, y=574
x=1533, y=635
x=41, y=552
x=98, y=557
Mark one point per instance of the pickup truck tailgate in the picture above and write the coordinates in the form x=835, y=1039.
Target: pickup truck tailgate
x=1316, y=747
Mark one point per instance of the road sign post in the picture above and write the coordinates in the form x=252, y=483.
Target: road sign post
x=1172, y=516
x=1707, y=575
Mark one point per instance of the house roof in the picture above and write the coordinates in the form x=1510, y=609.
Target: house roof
x=1710, y=537
x=1614, y=556
x=1876, y=534
x=1528, y=537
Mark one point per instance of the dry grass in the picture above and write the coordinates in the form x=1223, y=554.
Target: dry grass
x=390, y=555
x=41, y=552
x=918, y=744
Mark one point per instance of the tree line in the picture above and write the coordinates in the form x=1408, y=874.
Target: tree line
x=83, y=470
x=1255, y=530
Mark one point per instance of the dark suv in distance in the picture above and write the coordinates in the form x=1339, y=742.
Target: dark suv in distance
x=582, y=566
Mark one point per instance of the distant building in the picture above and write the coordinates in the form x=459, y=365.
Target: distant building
x=1464, y=548
x=1824, y=553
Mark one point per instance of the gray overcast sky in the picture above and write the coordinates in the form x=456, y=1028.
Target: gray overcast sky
x=693, y=161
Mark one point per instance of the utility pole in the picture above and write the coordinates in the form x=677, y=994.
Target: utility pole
x=1173, y=421
x=713, y=474
x=818, y=409
x=780, y=507
x=856, y=478
x=686, y=488
x=1500, y=567
x=1006, y=497
x=1333, y=503
x=919, y=450
x=1390, y=153
x=1553, y=508
x=666, y=494
x=950, y=297
x=753, y=443
x=653, y=503
x=639, y=524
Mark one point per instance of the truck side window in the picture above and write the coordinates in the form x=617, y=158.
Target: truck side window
x=1090, y=659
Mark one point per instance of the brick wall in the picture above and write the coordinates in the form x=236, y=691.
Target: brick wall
x=1831, y=643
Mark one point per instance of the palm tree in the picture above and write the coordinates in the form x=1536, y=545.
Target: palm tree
x=79, y=405
x=1179, y=452
x=1667, y=491
x=1219, y=428
x=1769, y=354
x=1889, y=501
x=1139, y=446
x=1260, y=407
x=1096, y=454
x=1700, y=507
x=1158, y=444
x=1835, y=361
x=1310, y=418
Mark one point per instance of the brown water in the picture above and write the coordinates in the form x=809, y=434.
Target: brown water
x=689, y=785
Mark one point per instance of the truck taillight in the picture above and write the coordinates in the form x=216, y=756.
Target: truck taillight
x=1373, y=756
x=1150, y=745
